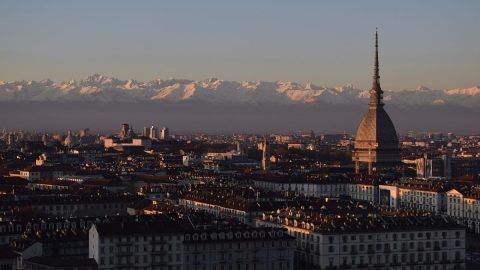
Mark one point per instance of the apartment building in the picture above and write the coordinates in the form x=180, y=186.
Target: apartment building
x=366, y=242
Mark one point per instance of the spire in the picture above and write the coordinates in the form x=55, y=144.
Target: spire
x=376, y=91
x=266, y=155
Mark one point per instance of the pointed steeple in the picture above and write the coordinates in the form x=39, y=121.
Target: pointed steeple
x=376, y=91
x=266, y=154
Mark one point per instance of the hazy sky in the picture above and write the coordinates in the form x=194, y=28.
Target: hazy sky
x=432, y=43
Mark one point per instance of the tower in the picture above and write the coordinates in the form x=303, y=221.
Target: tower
x=376, y=142
x=70, y=139
x=153, y=132
x=125, y=131
x=45, y=139
x=165, y=134
x=84, y=132
x=266, y=155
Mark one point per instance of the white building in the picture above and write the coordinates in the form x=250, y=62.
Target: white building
x=322, y=188
x=162, y=243
x=136, y=245
x=421, y=195
x=342, y=242
x=464, y=205
x=241, y=210
x=139, y=141
x=238, y=248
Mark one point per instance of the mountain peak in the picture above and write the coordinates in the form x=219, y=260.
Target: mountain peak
x=98, y=78
x=471, y=91
x=422, y=88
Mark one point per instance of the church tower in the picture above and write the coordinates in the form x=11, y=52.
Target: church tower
x=376, y=142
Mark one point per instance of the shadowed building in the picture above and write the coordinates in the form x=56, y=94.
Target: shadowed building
x=376, y=142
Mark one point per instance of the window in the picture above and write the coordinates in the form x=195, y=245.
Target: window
x=330, y=239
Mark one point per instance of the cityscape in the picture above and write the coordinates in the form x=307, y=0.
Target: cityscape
x=158, y=192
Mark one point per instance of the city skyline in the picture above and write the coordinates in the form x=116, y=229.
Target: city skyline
x=248, y=163
x=431, y=43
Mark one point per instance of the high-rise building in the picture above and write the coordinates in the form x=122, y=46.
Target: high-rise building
x=83, y=132
x=125, y=131
x=164, y=134
x=376, y=141
x=11, y=139
x=153, y=132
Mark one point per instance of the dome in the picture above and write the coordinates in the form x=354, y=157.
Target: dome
x=376, y=127
x=376, y=138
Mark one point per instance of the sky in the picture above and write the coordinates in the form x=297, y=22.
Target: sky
x=434, y=43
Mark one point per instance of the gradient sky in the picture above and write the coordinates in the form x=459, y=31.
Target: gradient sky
x=432, y=43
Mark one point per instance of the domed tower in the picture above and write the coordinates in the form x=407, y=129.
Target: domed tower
x=376, y=141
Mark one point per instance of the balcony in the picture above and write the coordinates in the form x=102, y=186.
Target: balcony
x=158, y=242
x=123, y=244
x=159, y=264
x=159, y=252
x=125, y=253
x=196, y=262
x=124, y=265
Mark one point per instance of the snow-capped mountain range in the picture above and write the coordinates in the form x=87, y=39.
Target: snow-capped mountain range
x=108, y=89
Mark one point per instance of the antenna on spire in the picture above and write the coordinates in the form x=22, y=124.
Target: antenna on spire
x=376, y=73
x=376, y=92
